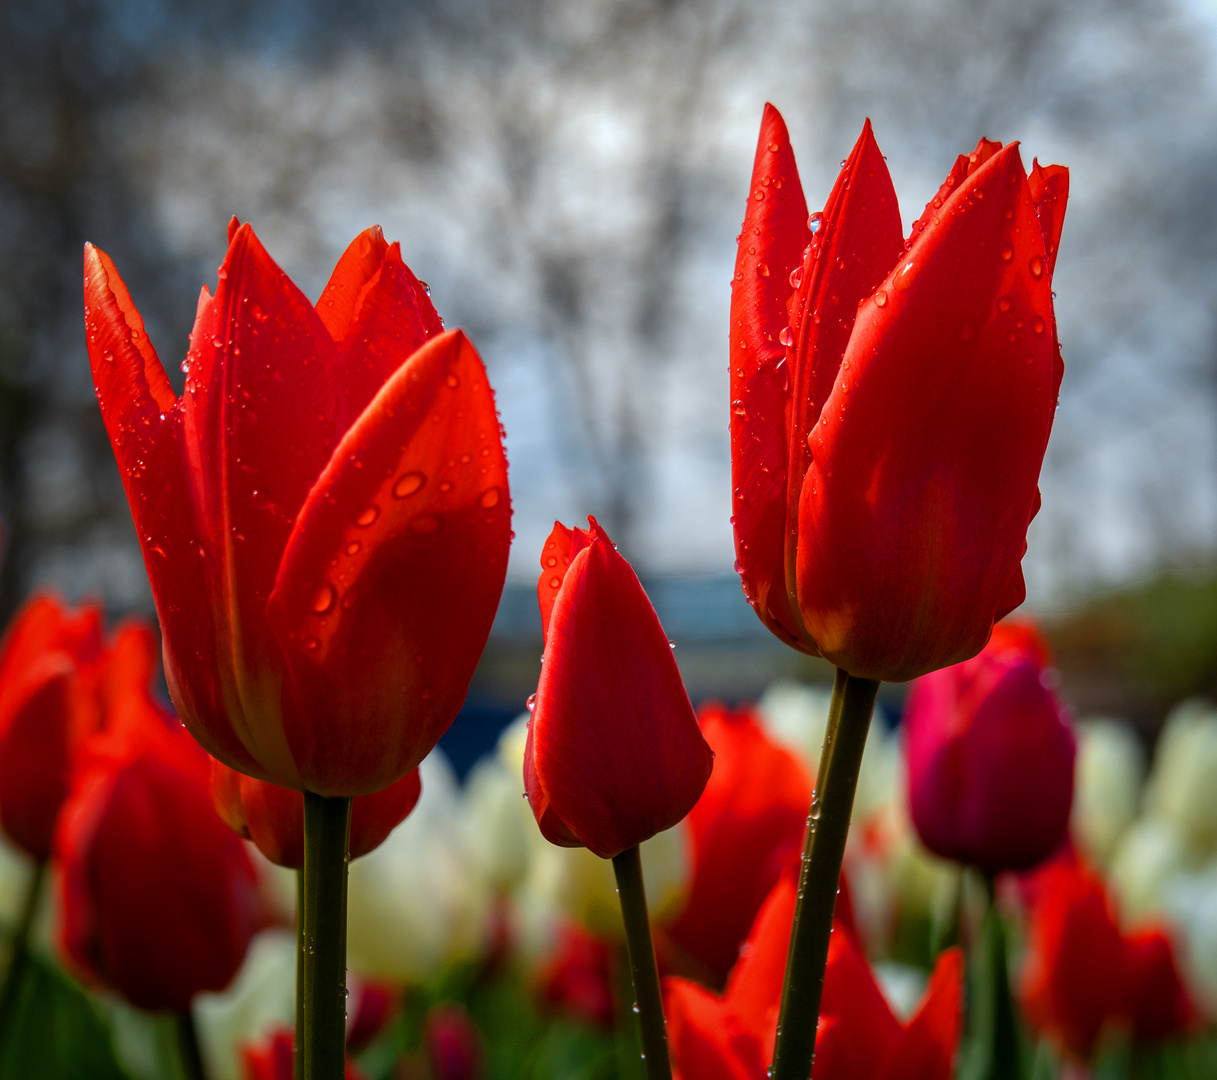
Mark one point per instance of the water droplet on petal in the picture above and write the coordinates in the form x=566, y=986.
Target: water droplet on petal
x=311, y=644
x=880, y=299
x=814, y=222
x=773, y=149
x=1037, y=266
x=353, y=547
x=322, y=599
x=531, y=703
x=786, y=336
x=490, y=498
x=367, y=515
x=1007, y=252
x=904, y=277
x=796, y=276
x=1037, y=324
x=452, y=380
x=1003, y=303
x=762, y=269
x=407, y=484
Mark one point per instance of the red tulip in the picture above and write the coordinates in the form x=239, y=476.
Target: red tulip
x=578, y=977
x=614, y=753
x=324, y=512
x=158, y=899
x=273, y=816
x=858, y=1037
x=47, y=652
x=746, y=829
x=1083, y=974
x=271, y=1059
x=990, y=757
x=454, y=1048
x=891, y=403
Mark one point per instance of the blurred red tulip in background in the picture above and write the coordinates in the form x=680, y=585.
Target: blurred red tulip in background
x=990, y=756
x=1083, y=975
x=858, y=1037
x=614, y=753
x=158, y=899
x=891, y=403
x=273, y=816
x=746, y=829
x=48, y=651
x=324, y=512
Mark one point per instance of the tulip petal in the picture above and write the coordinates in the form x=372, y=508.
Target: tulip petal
x=552, y=827
x=145, y=426
x=706, y=1043
x=1050, y=191
x=616, y=745
x=404, y=531
x=966, y=339
x=555, y=561
x=772, y=240
x=926, y=1049
x=358, y=265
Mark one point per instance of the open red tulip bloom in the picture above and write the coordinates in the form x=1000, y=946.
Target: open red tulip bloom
x=273, y=816
x=324, y=512
x=614, y=753
x=858, y=1037
x=990, y=757
x=1084, y=975
x=48, y=651
x=891, y=403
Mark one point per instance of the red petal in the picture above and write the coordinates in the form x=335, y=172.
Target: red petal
x=1050, y=191
x=771, y=245
x=551, y=826
x=392, y=574
x=754, y=989
x=555, y=560
x=359, y=264
x=704, y=1040
x=915, y=510
x=616, y=746
x=927, y=1049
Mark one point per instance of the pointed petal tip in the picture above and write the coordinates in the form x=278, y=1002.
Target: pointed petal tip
x=234, y=223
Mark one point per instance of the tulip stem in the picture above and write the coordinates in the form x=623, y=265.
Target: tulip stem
x=853, y=700
x=993, y=1049
x=648, y=1001
x=189, y=1054
x=321, y=940
x=19, y=951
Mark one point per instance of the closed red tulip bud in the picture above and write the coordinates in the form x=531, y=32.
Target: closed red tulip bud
x=454, y=1048
x=158, y=899
x=323, y=513
x=858, y=1036
x=1083, y=974
x=614, y=754
x=990, y=757
x=578, y=977
x=891, y=403
x=273, y=816
x=46, y=654
x=746, y=829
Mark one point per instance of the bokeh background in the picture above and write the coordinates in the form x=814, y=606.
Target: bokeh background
x=569, y=177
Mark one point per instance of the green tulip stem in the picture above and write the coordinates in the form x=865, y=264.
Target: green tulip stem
x=992, y=1050
x=853, y=700
x=189, y=1055
x=321, y=941
x=648, y=1001
x=19, y=951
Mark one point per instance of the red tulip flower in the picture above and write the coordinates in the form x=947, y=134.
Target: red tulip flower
x=273, y=816
x=990, y=757
x=745, y=831
x=614, y=753
x=46, y=654
x=1083, y=974
x=323, y=512
x=891, y=403
x=271, y=1059
x=858, y=1037
x=578, y=977
x=158, y=898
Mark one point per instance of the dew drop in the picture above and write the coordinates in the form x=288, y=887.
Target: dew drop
x=367, y=515
x=1037, y=266
x=555, y=581
x=353, y=547
x=796, y=276
x=552, y=561
x=445, y=486
x=1007, y=252
x=1003, y=303
x=452, y=380
x=490, y=498
x=880, y=299
x=348, y=600
x=424, y=523
x=814, y=222
x=531, y=703
x=311, y=644
x=904, y=277
x=185, y=367
x=773, y=149
x=1037, y=324
x=407, y=484
x=322, y=599
x=762, y=269
x=786, y=336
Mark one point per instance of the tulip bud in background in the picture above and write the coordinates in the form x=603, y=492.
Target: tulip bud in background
x=271, y=1058
x=452, y=1043
x=1082, y=974
x=990, y=759
x=731, y=1038
x=614, y=752
x=323, y=605
x=46, y=653
x=158, y=899
x=273, y=816
x=1181, y=789
x=577, y=977
x=891, y=403
x=417, y=902
x=745, y=830
x=1108, y=774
